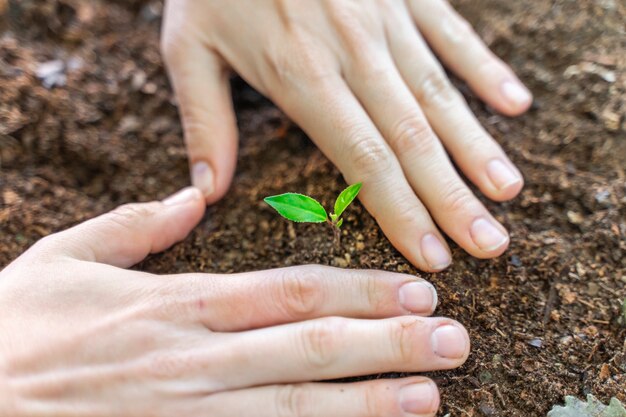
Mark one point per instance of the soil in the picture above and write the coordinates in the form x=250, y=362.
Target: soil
x=100, y=127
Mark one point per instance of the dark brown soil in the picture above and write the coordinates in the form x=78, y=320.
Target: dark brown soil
x=542, y=318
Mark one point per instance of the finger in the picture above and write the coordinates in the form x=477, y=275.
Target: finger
x=129, y=233
x=477, y=154
x=334, y=347
x=331, y=115
x=461, y=49
x=407, y=397
x=201, y=82
x=295, y=294
x=398, y=116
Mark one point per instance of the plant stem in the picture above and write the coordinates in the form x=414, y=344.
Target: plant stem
x=336, y=235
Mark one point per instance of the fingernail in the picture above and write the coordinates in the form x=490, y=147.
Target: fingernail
x=418, y=297
x=448, y=341
x=516, y=93
x=420, y=398
x=434, y=252
x=487, y=236
x=183, y=197
x=202, y=177
x=501, y=175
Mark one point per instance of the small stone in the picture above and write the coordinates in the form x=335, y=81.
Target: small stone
x=341, y=262
x=574, y=217
x=360, y=245
x=10, y=197
x=611, y=120
x=591, y=331
x=603, y=197
x=568, y=296
x=605, y=372
x=149, y=88
x=487, y=409
x=139, y=80
x=538, y=343
x=129, y=124
x=51, y=73
x=593, y=288
x=152, y=11
x=516, y=261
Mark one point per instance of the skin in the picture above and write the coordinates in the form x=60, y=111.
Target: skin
x=360, y=79
x=82, y=336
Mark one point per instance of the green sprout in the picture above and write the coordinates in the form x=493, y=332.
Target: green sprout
x=304, y=209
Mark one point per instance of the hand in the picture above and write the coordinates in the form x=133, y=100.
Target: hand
x=80, y=336
x=359, y=78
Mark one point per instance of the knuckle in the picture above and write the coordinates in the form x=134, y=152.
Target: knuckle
x=435, y=90
x=414, y=135
x=196, y=130
x=170, y=46
x=409, y=212
x=370, y=286
x=457, y=198
x=301, y=64
x=350, y=22
x=369, y=155
x=47, y=247
x=402, y=339
x=300, y=291
x=126, y=215
x=320, y=341
x=166, y=365
x=476, y=141
x=375, y=404
x=293, y=401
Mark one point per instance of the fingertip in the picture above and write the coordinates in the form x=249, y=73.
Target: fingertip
x=435, y=252
x=489, y=237
x=504, y=180
x=213, y=185
x=516, y=98
x=203, y=178
x=185, y=196
x=451, y=340
x=509, y=192
x=419, y=396
x=187, y=204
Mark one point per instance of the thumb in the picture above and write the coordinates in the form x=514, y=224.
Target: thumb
x=126, y=235
x=201, y=81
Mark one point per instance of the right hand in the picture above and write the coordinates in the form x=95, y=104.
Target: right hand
x=81, y=336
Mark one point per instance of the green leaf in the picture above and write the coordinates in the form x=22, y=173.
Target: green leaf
x=297, y=208
x=346, y=197
x=592, y=408
x=339, y=223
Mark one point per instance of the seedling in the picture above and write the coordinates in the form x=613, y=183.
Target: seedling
x=591, y=408
x=304, y=209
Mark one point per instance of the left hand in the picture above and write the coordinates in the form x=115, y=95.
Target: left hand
x=359, y=78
